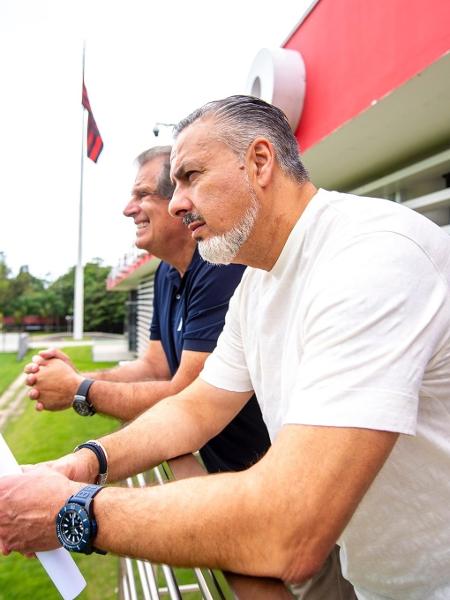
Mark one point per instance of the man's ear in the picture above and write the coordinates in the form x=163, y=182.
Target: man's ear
x=261, y=158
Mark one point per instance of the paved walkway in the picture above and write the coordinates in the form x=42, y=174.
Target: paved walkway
x=49, y=343
x=103, y=349
x=58, y=340
x=12, y=401
x=106, y=347
x=14, y=398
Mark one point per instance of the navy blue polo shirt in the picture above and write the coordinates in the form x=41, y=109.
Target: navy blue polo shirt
x=189, y=314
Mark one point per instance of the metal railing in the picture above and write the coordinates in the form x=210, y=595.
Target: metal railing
x=140, y=579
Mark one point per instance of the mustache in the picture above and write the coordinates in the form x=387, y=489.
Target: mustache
x=191, y=217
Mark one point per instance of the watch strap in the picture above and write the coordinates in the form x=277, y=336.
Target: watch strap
x=85, y=493
x=84, y=498
x=82, y=395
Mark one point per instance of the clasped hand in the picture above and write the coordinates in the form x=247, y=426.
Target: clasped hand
x=53, y=380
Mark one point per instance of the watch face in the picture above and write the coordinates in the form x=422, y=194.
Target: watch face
x=81, y=406
x=73, y=527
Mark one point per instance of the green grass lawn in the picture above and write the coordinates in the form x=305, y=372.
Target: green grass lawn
x=10, y=367
x=34, y=437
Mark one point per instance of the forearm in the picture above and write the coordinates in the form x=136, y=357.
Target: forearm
x=126, y=401
x=213, y=521
x=175, y=426
x=279, y=518
x=158, y=435
x=136, y=370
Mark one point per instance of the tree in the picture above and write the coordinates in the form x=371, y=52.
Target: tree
x=103, y=310
x=6, y=293
x=26, y=295
x=63, y=288
x=23, y=288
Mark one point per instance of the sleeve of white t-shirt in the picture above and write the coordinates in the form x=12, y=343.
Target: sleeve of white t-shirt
x=226, y=367
x=372, y=321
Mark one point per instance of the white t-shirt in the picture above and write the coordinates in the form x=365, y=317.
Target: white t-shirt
x=351, y=328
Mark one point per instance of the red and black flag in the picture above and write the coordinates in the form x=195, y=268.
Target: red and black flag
x=94, y=139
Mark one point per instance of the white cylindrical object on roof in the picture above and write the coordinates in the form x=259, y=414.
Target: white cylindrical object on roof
x=278, y=76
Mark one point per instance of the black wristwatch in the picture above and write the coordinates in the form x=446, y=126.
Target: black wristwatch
x=76, y=526
x=80, y=403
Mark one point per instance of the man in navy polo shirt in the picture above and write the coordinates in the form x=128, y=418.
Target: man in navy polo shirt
x=190, y=302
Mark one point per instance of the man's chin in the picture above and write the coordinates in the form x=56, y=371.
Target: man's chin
x=213, y=257
x=141, y=245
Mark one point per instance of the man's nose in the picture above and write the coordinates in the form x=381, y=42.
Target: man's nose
x=179, y=204
x=130, y=208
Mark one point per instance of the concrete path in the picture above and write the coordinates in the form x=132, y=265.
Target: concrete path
x=103, y=349
x=57, y=343
x=59, y=340
x=12, y=401
x=106, y=348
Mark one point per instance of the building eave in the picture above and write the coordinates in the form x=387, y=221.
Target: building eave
x=410, y=122
x=129, y=276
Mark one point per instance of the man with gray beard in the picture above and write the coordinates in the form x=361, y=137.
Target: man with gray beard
x=341, y=326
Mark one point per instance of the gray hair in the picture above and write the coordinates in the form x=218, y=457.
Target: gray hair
x=165, y=186
x=241, y=119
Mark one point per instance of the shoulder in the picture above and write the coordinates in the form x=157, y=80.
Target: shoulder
x=161, y=273
x=204, y=273
x=212, y=285
x=162, y=269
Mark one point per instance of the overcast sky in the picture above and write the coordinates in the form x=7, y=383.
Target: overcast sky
x=146, y=61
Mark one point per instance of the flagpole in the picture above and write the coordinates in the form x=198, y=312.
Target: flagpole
x=78, y=302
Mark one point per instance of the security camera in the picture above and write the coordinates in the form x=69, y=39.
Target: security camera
x=157, y=125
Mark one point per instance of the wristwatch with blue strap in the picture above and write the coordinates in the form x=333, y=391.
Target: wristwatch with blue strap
x=76, y=526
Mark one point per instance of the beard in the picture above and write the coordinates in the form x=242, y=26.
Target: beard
x=223, y=249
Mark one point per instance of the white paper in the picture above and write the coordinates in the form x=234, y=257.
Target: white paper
x=59, y=565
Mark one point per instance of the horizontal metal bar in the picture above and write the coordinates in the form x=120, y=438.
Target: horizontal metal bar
x=431, y=201
x=397, y=176
x=187, y=587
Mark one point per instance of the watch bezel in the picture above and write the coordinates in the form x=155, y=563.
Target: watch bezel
x=82, y=406
x=84, y=544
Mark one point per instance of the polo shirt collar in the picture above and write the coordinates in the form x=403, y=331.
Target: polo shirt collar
x=174, y=276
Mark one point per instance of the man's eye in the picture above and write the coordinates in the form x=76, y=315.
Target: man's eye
x=190, y=175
